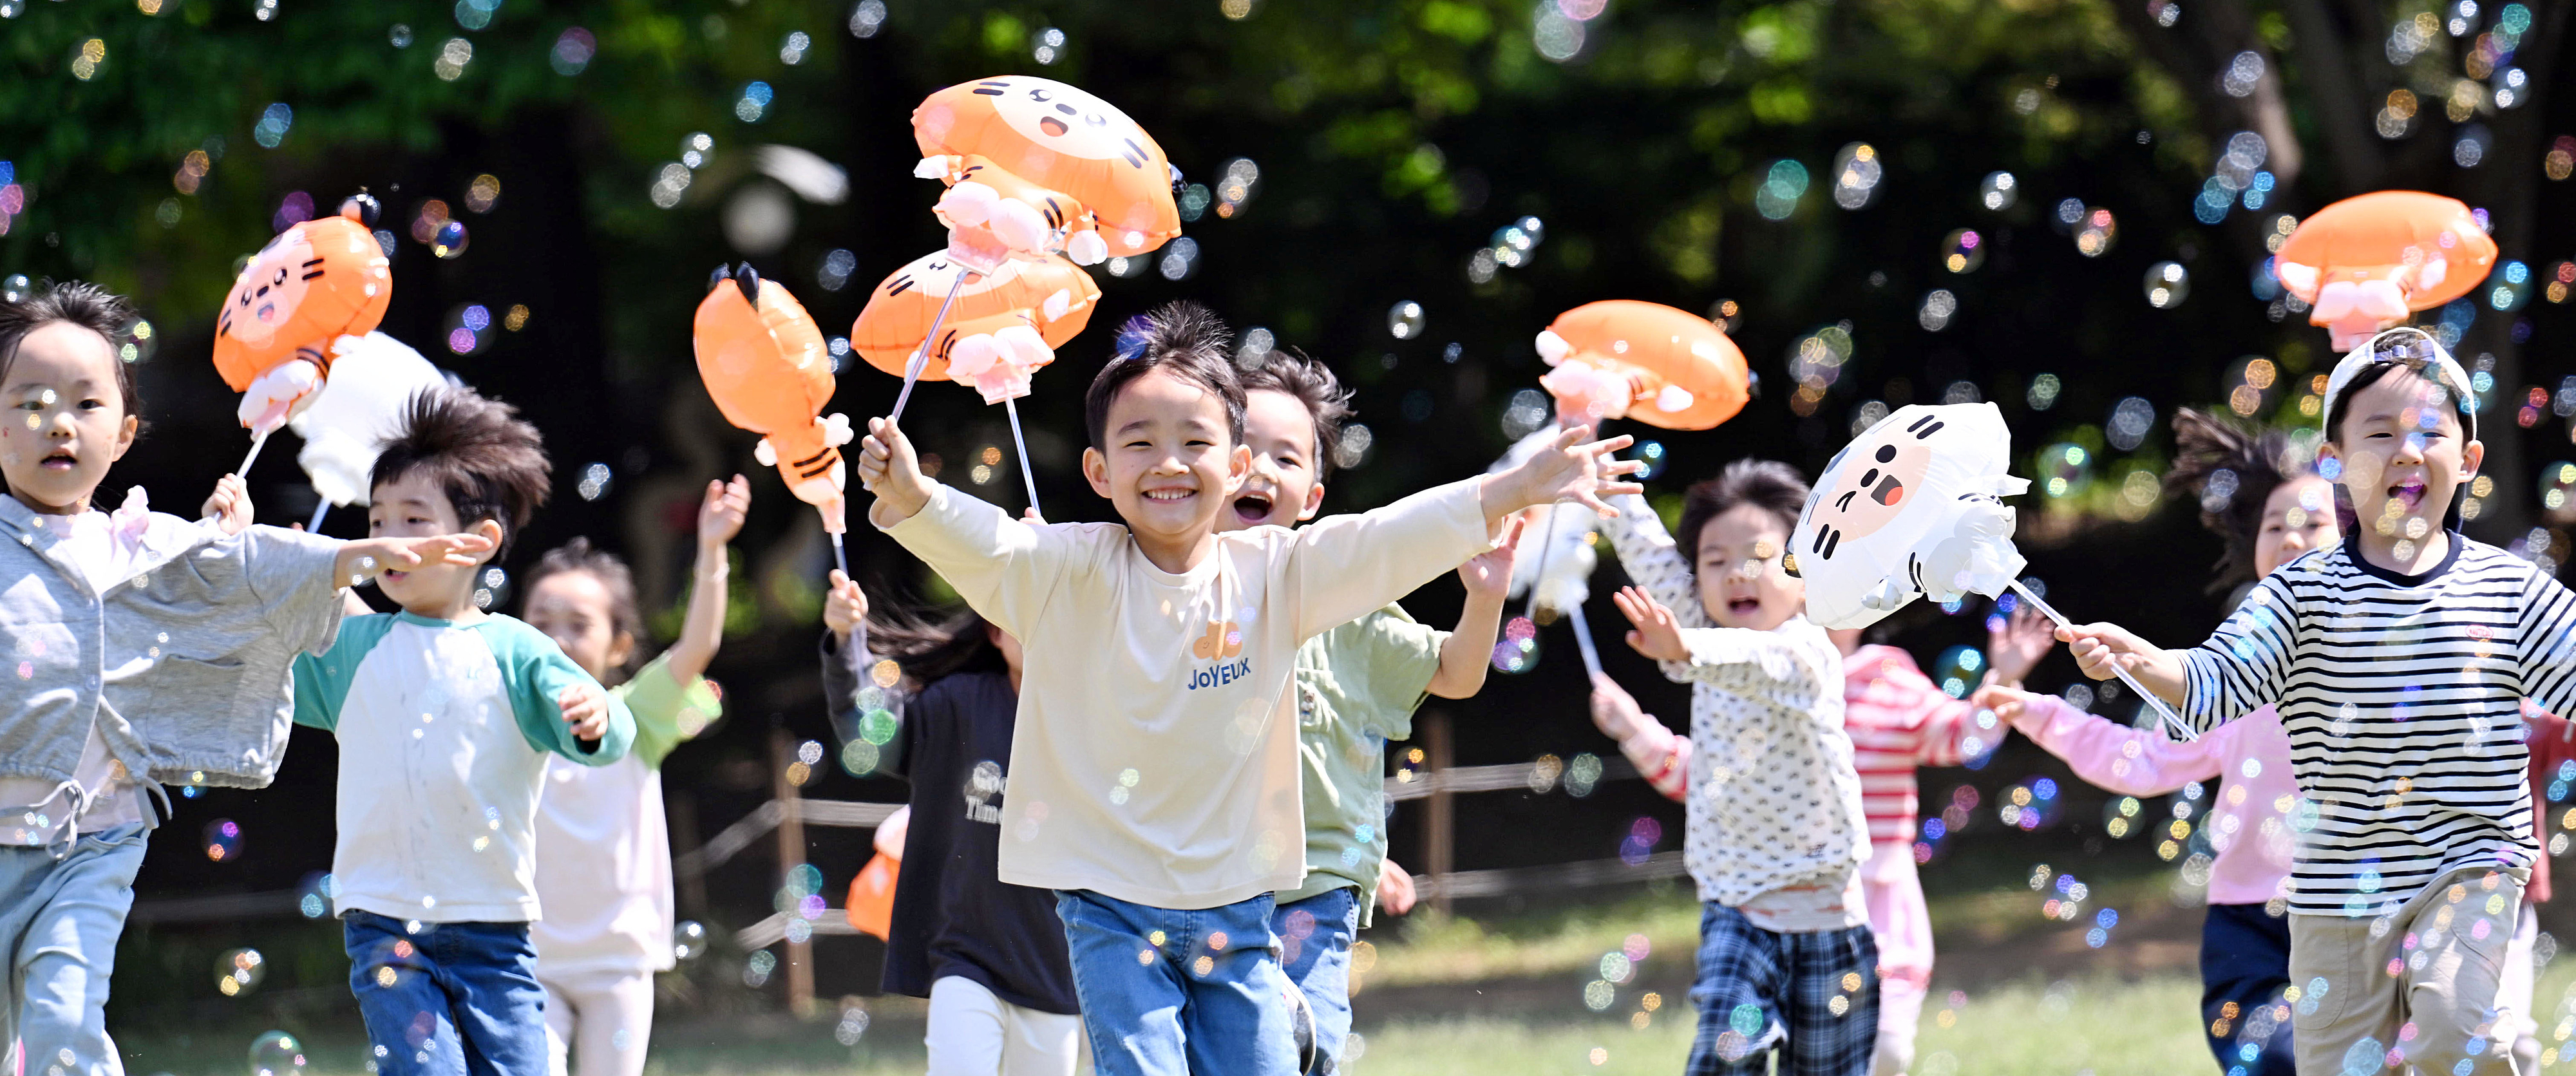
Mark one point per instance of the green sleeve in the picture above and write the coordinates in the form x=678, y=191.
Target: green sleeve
x=537, y=671
x=1399, y=657
x=322, y=681
x=666, y=711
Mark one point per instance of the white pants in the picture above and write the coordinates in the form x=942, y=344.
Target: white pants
x=602, y=1018
x=973, y=1033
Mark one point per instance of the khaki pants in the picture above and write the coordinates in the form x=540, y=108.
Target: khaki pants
x=2436, y=1010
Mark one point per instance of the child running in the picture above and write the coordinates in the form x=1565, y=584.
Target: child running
x=1357, y=685
x=603, y=849
x=1154, y=770
x=1776, y=832
x=1900, y=721
x=2399, y=661
x=2265, y=517
x=445, y=717
x=198, y=623
x=989, y=955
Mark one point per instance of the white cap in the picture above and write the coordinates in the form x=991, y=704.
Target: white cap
x=2415, y=349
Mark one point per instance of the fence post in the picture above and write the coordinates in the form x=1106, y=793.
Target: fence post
x=1440, y=832
x=791, y=854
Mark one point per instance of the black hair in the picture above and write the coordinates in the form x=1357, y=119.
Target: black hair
x=1770, y=485
x=625, y=616
x=2231, y=468
x=1181, y=338
x=81, y=303
x=930, y=649
x=1313, y=384
x=490, y=464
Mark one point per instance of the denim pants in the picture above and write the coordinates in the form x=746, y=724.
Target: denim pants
x=447, y=998
x=1315, y=936
x=60, y=919
x=1812, y=997
x=1170, y=993
x=2244, y=966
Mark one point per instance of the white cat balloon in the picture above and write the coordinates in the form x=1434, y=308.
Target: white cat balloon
x=1909, y=509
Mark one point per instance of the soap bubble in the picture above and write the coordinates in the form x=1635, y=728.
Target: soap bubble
x=688, y=940
x=449, y=241
x=2167, y=284
x=239, y=970
x=1404, y=320
x=1962, y=251
x=276, y=1054
x=1999, y=191
x=223, y=840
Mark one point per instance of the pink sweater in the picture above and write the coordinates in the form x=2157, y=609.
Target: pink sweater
x=1900, y=720
x=2248, y=822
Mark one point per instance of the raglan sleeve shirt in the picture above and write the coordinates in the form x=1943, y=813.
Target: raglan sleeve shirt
x=539, y=672
x=667, y=712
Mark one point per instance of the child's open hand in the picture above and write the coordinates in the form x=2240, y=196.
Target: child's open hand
x=362, y=560
x=720, y=516
x=1569, y=469
x=585, y=708
x=890, y=470
x=1658, y=634
x=229, y=505
x=1395, y=893
x=2015, y=646
x=2008, y=703
x=845, y=607
x=1488, y=575
x=2097, y=646
x=1614, y=711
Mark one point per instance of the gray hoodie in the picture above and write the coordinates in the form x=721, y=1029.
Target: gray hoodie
x=184, y=667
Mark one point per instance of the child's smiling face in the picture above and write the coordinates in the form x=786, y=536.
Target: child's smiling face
x=578, y=612
x=2403, y=457
x=1282, y=488
x=1170, y=464
x=67, y=418
x=1741, y=583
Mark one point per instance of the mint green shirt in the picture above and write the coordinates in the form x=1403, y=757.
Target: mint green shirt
x=1357, y=687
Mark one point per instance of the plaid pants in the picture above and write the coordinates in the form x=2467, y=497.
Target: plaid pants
x=1811, y=997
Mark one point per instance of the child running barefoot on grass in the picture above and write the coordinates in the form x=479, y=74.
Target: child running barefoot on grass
x=2266, y=519
x=1154, y=770
x=603, y=848
x=1776, y=833
x=446, y=716
x=2400, y=661
x=1357, y=686
x=989, y=955
x=198, y=623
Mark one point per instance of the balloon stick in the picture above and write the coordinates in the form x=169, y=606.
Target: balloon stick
x=2172, y=720
x=840, y=556
x=921, y=355
x=257, y=440
x=1027, y=476
x=319, y=511
x=1583, y=640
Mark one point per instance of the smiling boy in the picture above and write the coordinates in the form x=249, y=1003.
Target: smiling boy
x=445, y=716
x=2399, y=661
x=1159, y=801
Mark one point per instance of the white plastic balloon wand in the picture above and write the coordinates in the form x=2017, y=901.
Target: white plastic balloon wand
x=257, y=441
x=1028, y=477
x=319, y=510
x=921, y=355
x=1583, y=640
x=840, y=556
x=2172, y=720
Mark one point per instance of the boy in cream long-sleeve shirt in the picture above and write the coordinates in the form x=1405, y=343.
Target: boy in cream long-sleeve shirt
x=1154, y=776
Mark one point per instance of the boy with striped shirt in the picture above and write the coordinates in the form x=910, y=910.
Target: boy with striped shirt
x=2399, y=661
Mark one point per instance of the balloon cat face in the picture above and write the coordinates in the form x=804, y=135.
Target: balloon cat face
x=1893, y=462
x=1066, y=120
x=271, y=288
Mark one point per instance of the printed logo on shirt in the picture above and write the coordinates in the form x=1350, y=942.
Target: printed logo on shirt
x=1223, y=640
x=982, y=784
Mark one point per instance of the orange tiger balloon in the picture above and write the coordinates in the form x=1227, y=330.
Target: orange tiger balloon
x=1060, y=140
x=1620, y=358
x=1051, y=299
x=765, y=364
x=315, y=283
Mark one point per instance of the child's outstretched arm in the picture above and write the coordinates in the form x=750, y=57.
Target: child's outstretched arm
x=1569, y=469
x=1652, y=561
x=366, y=558
x=1469, y=651
x=720, y=517
x=2107, y=754
x=2097, y=646
x=1002, y=566
x=891, y=470
x=1662, y=758
x=1763, y=662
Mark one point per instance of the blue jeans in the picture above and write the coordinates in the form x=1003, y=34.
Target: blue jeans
x=59, y=919
x=1171, y=993
x=1315, y=937
x=448, y=998
x=1812, y=997
x=2244, y=966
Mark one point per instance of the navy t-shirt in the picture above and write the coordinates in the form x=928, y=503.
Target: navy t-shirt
x=952, y=913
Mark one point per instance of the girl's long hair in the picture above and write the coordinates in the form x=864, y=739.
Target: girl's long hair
x=2250, y=458
x=931, y=648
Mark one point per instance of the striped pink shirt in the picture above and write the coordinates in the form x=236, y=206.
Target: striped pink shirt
x=1900, y=720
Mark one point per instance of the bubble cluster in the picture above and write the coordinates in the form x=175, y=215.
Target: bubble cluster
x=2095, y=231
x=867, y=18
x=2065, y=470
x=1857, y=171
x=222, y=840
x=1962, y=251
x=238, y=971
x=2131, y=419
x=595, y=480
x=1939, y=306
x=1510, y=247
x=753, y=102
x=274, y=122
x=452, y=59
x=1517, y=651
x=1998, y=191
x=2168, y=283
x=1783, y=184
x=469, y=328
x=1404, y=320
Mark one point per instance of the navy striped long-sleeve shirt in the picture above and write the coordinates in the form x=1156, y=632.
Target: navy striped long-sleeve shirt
x=2401, y=696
